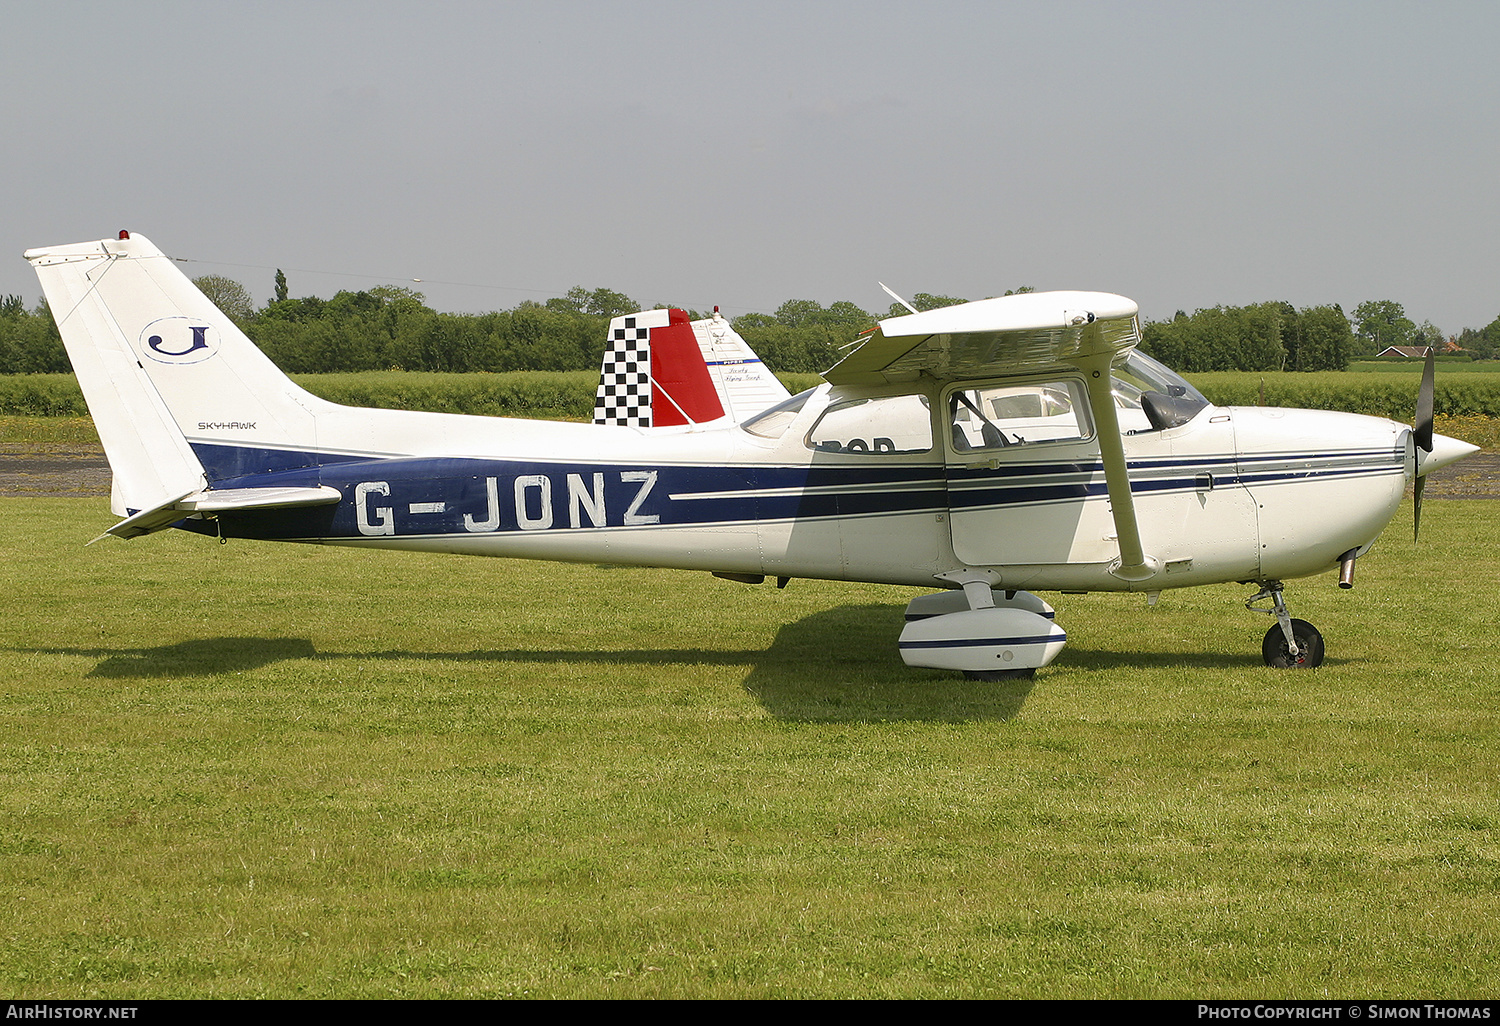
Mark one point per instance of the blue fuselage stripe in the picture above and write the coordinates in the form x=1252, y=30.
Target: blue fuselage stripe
x=428, y=496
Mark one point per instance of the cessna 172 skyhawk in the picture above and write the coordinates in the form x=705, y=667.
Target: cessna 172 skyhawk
x=1001, y=445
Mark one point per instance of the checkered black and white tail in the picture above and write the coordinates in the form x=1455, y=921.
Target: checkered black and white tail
x=624, y=395
x=662, y=370
x=654, y=374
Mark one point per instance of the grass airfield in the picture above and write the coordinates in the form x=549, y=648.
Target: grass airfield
x=280, y=771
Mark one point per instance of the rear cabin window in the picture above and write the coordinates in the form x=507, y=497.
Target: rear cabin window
x=883, y=426
x=773, y=423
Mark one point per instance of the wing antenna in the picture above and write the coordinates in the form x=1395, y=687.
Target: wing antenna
x=896, y=297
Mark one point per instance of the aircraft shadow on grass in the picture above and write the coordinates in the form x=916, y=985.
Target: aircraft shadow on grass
x=199, y=657
x=829, y=666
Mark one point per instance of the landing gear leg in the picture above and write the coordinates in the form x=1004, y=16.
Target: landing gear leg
x=1291, y=644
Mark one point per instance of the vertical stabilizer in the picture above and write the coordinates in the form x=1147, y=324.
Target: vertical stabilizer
x=152, y=462
x=163, y=369
x=745, y=385
x=662, y=370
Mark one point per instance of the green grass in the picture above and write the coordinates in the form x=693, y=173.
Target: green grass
x=48, y=431
x=1481, y=431
x=250, y=770
x=559, y=395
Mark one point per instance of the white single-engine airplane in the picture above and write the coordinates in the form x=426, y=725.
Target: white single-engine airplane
x=1001, y=445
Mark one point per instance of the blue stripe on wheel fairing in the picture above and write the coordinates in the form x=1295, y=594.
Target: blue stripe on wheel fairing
x=975, y=642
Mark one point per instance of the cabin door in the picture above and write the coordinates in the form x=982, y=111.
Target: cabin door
x=1025, y=485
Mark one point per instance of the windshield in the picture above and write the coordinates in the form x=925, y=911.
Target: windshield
x=1147, y=389
x=1139, y=373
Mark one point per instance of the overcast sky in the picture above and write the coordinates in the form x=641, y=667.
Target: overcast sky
x=742, y=154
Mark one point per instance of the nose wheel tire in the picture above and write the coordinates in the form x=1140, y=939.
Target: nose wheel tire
x=1309, y=647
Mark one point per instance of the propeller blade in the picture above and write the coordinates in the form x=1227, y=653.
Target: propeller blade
x=1422, y=429
x=1416, y=508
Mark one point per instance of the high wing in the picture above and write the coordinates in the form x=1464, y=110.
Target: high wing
x=1033, y=331
x=1022, y=334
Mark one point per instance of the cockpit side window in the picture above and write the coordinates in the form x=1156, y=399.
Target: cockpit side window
x=1000, y=416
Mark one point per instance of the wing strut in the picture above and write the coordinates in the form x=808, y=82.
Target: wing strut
x=1134, y=564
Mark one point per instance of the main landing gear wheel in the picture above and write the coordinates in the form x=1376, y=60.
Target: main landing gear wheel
x=1309, y=647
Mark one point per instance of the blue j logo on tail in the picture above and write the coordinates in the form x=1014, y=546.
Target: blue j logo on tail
x=178, y=340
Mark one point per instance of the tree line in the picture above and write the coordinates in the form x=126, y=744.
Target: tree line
x=388, y=328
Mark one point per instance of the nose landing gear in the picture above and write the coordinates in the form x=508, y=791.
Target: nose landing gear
x=1291, y=644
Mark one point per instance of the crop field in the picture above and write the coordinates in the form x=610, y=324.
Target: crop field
x=1414, y=367
x=1463, y=390
x=246, y=770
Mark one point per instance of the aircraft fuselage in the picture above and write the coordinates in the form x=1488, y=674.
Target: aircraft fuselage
x=1236, y=494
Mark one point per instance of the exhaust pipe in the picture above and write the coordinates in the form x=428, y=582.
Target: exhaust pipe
x=1346, y=569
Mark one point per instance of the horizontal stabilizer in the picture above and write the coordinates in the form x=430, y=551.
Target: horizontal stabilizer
x=151, y=520
x=258, y=498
